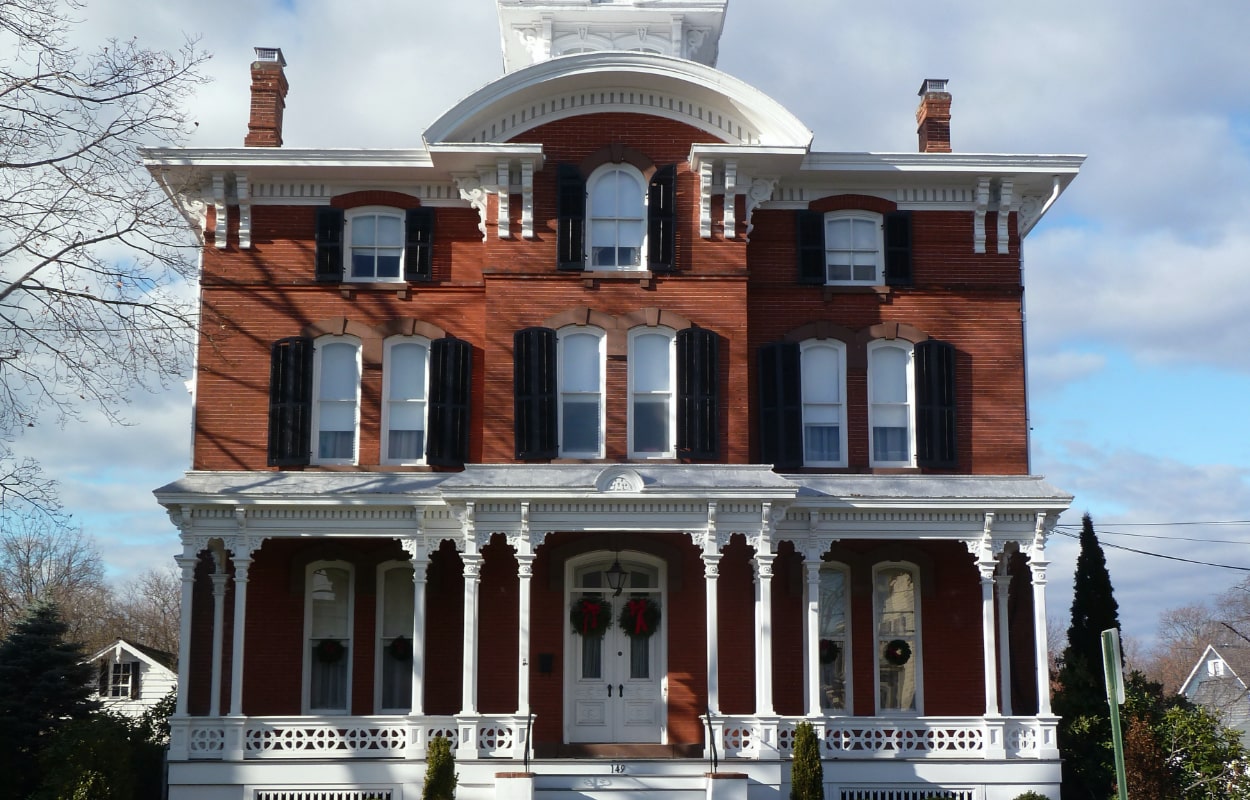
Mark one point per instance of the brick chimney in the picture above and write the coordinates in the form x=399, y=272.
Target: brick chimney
x=933, y=118
x=269, y=88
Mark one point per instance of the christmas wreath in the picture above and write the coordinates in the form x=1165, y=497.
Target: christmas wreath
x=639, y=618
x=897, y=652
x=828, y=651
x=400, y=649
x=591, y=616
x=328, y=651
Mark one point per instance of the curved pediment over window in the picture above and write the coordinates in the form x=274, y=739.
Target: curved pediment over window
x=618, y=480
x=728, y=109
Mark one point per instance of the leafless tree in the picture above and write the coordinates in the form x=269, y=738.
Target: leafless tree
x=147, y=609
x=95, y=262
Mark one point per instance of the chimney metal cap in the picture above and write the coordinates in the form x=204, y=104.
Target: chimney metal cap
x=270, y=54
x=931, y=85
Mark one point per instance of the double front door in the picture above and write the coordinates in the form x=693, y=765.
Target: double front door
x=614, y=687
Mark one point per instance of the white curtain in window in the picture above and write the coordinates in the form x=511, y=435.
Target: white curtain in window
x=580, y=394
x=406, y=398
x=650, y=361
x=329, y=607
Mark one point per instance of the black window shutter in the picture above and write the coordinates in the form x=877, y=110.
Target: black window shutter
x=419, y=244
x=811, y=246
x=571, y=218
x=134, y=681
x=935, y=404
x=661, y=219
x=898, y=248
x=102, y=679
x=534, y=394
x=329, y=244
x=697, y=406
x=290, y=402
x=781, y=405
x=451, y=370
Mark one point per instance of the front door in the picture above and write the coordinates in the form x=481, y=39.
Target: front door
x=615, y=676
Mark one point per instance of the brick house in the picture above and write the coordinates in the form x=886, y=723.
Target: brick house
x=610, y=434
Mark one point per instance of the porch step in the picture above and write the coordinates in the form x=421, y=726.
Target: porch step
x=624, y=786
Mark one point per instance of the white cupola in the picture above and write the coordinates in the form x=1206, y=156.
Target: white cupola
x=538, y=30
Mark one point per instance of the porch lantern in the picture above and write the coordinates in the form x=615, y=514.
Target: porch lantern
x=616, y=576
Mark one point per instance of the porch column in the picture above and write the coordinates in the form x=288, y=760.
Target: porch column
x=1037, y=565
x=525, y=572
x=988, y=639
x=186, y=563
x=811, y=636
x=711, y=572
x=764, y=635
x=242, y=561
x=472, y=573
x=420, y=564
x=219, y=579
x=1004, y=635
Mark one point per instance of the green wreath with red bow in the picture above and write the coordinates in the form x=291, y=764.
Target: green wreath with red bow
x=639, y=618
x=591, y=616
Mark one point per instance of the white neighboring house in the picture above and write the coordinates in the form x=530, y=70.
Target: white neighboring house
x=1218, y=683
x=131, y=678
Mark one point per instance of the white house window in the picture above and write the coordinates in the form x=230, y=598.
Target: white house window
x=581, y=387
x=1215, y=668
x=406, y=377
x=121, y=678
x=890, y=403
x=336, y=403
x=896, y=615
x=375, y=244
x=328, y=589
x=394, y=657
x=617, y=217
x=833, y=646
x=853, y=248
x=652, y=412
x=824, y=406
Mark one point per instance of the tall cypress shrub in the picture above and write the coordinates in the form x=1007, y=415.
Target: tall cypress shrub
x=440, y=771
x=807, y=776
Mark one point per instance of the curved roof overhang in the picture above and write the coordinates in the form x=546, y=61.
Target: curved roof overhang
x=724, y=107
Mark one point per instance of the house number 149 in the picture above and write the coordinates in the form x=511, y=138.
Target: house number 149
x=619, y=769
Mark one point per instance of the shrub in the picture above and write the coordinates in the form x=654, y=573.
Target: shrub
x=807, y=776
x=440, y=771
x=1031, y=795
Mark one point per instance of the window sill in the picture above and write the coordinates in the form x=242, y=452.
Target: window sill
x=348, y=289
x=882, y=292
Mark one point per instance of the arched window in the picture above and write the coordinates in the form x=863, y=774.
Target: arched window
x=328, y=595
x=395, y=643
x=406, y=378
x=336, y=401
x=824, y=403
x=834, y=646
x=581, y=387
x=890, y=404
x=617, y=217
x=896, y=617
x=651, y=381
x=853, y=248
x=376, y=240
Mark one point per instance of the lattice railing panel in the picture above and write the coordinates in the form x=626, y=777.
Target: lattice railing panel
x=292, y=740
x=908, y=793
x=909, y=740
x=324, y=794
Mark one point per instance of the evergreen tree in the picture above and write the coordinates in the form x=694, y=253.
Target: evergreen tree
x=1081, y=699
x=44, y=685
x=807, y=775
x=440, y=771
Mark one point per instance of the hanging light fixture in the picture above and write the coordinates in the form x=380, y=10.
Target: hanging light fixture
x=616, y=576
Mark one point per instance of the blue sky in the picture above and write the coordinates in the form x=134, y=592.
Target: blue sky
x=1137, y=281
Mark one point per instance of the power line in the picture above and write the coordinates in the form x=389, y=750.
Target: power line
x=1102, y=531
x=1167, y=524
x=1159, y=555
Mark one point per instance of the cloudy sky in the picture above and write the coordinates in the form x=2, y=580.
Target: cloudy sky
x=1137, y=280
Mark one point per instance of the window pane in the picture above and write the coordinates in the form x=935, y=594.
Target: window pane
x=832, y=644
x=629, y=193
x=650, y=362
x=328, y=683
x=895, y=594
x=363, y=263
x=865, y=234
x=364, y=230
x=889, y=375
x=407, y=371
x=388, y=264
x=580, y=432
x=405, y=445
x=336, y=444
x=603, y=233
x=838, y=234
x=630, y=234
x=390, y=232
x=580, y=364
x=822, y=379
x=329, y=595
x=650, y=426
x=339, y=374
x=397, y=602
x=604, y=198
x=890, y=444
x=824, y=443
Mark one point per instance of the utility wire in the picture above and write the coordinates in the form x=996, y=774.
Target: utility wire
x=1159, y=555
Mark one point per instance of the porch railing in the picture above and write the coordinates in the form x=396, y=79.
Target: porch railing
x=238, y=738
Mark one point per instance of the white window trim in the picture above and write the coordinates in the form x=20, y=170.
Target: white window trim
x=318, y=347
x=839, y=348
x=848, y=654
x=917, y=646
x=877, y=220
x=630, y=169
x=362, y=211
x=306, y=679
x=379, y=646
x=387, y=373
x=671, y=335
x=561, y=335
x=909, y=375
x=121, y=681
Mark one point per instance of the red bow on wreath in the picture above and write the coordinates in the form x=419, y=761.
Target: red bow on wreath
x=637, y=610
x=590, y=615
